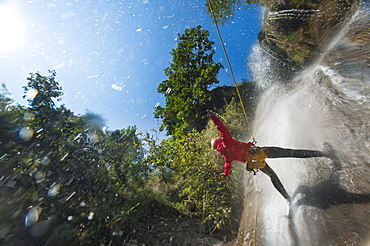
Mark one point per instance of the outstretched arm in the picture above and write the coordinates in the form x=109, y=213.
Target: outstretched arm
x=224, y=132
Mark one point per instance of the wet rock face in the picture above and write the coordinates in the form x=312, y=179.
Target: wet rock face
x=351, y=56
x=296, y=32
x=328, y=100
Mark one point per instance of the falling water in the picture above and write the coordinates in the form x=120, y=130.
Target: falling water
x=329, y=101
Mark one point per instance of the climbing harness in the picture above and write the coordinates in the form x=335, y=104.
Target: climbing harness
x=256, y=159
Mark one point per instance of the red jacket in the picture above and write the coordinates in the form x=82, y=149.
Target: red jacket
x=232, y=149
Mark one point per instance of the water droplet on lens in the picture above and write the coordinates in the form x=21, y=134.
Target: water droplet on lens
x=90, y=216
x=32, y=216
x=25, y=133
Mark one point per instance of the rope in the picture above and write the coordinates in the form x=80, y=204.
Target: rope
x=257, y=119
x=245, y=115
x=255, y=211
x=231, y=70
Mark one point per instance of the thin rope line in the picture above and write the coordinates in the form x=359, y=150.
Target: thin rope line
x=255, y=211
x=231, y=70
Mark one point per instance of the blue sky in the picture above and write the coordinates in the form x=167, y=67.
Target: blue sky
x=110, y=55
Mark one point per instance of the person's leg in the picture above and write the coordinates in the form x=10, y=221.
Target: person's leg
x=276, y=152
x=275, y=181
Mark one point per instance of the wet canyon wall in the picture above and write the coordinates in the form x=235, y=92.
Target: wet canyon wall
x=327, y=100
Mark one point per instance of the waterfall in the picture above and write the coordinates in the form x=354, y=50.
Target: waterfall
x=328, y=101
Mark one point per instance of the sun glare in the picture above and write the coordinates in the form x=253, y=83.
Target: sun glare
x=11, y=29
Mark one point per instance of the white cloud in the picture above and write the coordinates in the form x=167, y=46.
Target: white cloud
x=116, y=87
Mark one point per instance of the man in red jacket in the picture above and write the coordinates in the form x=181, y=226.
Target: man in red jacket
x=234, y=150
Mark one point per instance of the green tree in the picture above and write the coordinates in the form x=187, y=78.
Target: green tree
x=123, y=151
x=224, y=10
x=42, y=115
x=69, y=168
x=190, y=74
x=41, y=90
x=6, y=121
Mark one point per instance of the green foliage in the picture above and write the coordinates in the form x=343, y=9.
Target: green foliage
x=189, y=75
x=6, y=119
x=43, y=89
x=87, y=183
x=294, y=41
x=224, y=10
x=123, y=151
x=188, y=173
x=5, y=101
